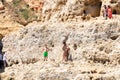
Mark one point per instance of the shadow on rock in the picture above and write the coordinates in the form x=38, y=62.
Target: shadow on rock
x=1, y=71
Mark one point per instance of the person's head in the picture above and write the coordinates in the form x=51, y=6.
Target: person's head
x=105, y=6
x=64, y=42
x=109, y=6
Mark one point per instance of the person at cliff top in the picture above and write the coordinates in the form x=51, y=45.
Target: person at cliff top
x=45, y=54
x=109, y=12
x=105, y=12
x=66, y=50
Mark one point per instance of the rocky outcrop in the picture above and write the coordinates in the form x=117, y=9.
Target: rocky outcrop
x=64, y=11
x=58, y=10
x=1, y=6
x=60, y=71
x=7, y=23
x=101, y=37
x=94, y=42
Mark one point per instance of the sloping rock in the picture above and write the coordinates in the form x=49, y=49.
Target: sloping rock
x=93, y=40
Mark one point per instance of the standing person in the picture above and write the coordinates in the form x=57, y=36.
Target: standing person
x=4, y=60
x=1, y=55
x=105, y=12
x=45, y=53
x=1, y=60
x=109, y=12
x=66, y=50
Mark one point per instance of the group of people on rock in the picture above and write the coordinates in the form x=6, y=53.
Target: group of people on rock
x=66, y=51
x=107, y=12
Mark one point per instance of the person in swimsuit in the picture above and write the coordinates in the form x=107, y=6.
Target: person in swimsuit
x=66, y=50
x=45, y=54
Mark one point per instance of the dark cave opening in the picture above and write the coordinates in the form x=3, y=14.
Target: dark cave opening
x=93, y=8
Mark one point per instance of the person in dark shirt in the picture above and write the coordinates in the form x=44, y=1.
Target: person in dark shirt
x=1, y=60
x=1, y=55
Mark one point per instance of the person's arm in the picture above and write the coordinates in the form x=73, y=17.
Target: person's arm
x=68, y=48
x=49, y=49
x=43, y=49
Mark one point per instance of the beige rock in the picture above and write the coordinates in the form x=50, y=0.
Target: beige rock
x=97, y=55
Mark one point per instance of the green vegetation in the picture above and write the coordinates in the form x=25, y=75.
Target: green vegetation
x=16, y=2
x=24, y=13
x=21, y=12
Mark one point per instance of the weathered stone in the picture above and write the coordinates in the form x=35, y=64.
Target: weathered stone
x=96, y=55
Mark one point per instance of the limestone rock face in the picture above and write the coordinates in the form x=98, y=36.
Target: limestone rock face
x=97, y=53
x=7, y=25
x=62, y=10
x=96, y=41
x=68, y=9
x=59, y=71
x=9, y=0
x=1, y=5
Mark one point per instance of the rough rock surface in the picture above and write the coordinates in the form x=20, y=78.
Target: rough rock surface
x=7, y=24
x=61, y=71
x=97, y=44
x=64, y=10
x=59, y=10
x=97, y=56
x=101, y=37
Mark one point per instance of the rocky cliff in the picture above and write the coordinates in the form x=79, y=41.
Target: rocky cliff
x=23, y=12
x=97, y=56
